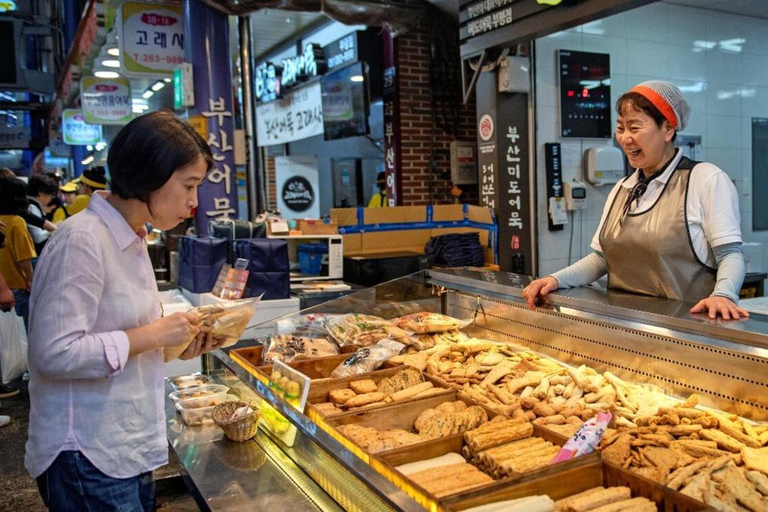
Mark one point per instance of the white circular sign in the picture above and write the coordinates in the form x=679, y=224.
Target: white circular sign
x=485, y=127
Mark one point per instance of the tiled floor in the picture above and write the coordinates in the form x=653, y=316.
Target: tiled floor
x=19, y=489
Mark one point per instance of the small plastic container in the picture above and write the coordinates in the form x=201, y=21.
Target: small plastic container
x=190, y=381
x=207, y=390
x=311, y=258
x=196, y=411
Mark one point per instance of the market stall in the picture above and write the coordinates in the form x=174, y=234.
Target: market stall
x=482, y=397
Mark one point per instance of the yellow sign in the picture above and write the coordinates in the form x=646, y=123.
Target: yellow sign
x=549, y=2
x=200, y=124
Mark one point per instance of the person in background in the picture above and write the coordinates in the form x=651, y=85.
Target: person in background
x=63, y=201
x=16, y=257
x=97, y=333
x=7, y=173
x=92, y=179
x=6, y=304
x=379, y=200
x=41, y=190
x=672, y=228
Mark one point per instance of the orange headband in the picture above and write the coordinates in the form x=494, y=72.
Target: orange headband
x=658, y=101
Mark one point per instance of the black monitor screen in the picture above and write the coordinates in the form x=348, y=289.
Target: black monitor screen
x=345, y=102
x=585, y=94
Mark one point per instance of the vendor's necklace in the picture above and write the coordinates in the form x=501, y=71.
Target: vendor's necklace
x=640, y=187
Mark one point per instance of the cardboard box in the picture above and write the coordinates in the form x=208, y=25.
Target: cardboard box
x=376, y=235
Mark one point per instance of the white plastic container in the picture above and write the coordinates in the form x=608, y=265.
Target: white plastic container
x=197, y=411
x=208, y=390
x=190, y=381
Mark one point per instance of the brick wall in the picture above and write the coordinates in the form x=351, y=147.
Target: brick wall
x=420, y=186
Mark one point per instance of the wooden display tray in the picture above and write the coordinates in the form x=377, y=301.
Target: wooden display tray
x=320, y=368
x=318, y=392
x=569, y=480
x=395, y=416
x=386, y=462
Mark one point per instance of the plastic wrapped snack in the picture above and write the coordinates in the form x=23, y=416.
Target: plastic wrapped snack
x=425, y=322
x=586, y=438
x=226, y=321
x=310, y=324
x=286, y=348
x=367, y=359
x=360, y=330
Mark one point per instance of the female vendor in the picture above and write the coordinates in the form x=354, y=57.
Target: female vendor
x=671, y=229
x=97, y=420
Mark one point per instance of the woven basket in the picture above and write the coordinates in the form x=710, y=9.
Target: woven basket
x=239, y=430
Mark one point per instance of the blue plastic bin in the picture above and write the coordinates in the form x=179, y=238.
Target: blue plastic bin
x=311, y=258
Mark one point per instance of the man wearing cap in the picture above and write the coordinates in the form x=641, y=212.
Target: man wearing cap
x=62, y=202
x=91, y=180
x=379, y=200
x=671, y=229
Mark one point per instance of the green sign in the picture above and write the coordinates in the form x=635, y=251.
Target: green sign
x=178, y=88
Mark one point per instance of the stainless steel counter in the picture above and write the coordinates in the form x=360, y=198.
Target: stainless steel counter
x=253, y=475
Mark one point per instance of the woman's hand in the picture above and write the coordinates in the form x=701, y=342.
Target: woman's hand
x=539, y=287
x=174, y=330
x=722, y=306
x=202, y=344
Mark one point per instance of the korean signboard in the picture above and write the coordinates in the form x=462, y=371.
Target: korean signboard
x=14, y=137
x=392, y=133
x=106, y=100
x=503, y=171
x=272, y=80
x=151, y=38
x=297, y=186
x=76, y=131
x=297, y=116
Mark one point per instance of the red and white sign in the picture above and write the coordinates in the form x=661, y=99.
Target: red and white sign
x=151, y=38
x=485, y=127
x=106, y=100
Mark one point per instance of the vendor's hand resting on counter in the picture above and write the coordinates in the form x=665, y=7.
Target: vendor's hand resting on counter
x=671, y=229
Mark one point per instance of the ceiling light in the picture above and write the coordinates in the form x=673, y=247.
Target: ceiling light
x=106, y=74
x=357, y=78
x=137, y=110
x=147, y=95
x=87, y=160
x=115, y=52
x=100, y=146
x=89, y=147
x=157, y=86
x=111, y=63
x=138, y=101
x=167, y=80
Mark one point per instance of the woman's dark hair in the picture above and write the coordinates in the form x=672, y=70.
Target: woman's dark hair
x=148, y=150
x=13, y=197
x=633, y=100
x=42, y=184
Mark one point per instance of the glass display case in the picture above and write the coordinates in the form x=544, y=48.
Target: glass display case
x=649, y=341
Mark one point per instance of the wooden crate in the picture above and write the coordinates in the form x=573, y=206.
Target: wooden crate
x=396, y=416
x=318, y=392
x=569, y=479
x=386, y=462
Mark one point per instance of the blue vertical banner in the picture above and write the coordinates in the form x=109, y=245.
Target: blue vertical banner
x=207, y=48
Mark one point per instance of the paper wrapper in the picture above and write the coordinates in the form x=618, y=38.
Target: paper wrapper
x=586, y=438
x=225, y=320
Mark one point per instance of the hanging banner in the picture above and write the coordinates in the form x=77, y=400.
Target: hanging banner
x=213, y=110
x=76, y=131
x=297, y=183
x=393, y=164
x=151, y=38
x=106, y=100
x=296, y=116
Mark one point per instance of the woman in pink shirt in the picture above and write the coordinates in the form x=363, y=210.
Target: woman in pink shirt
x=97, y=422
